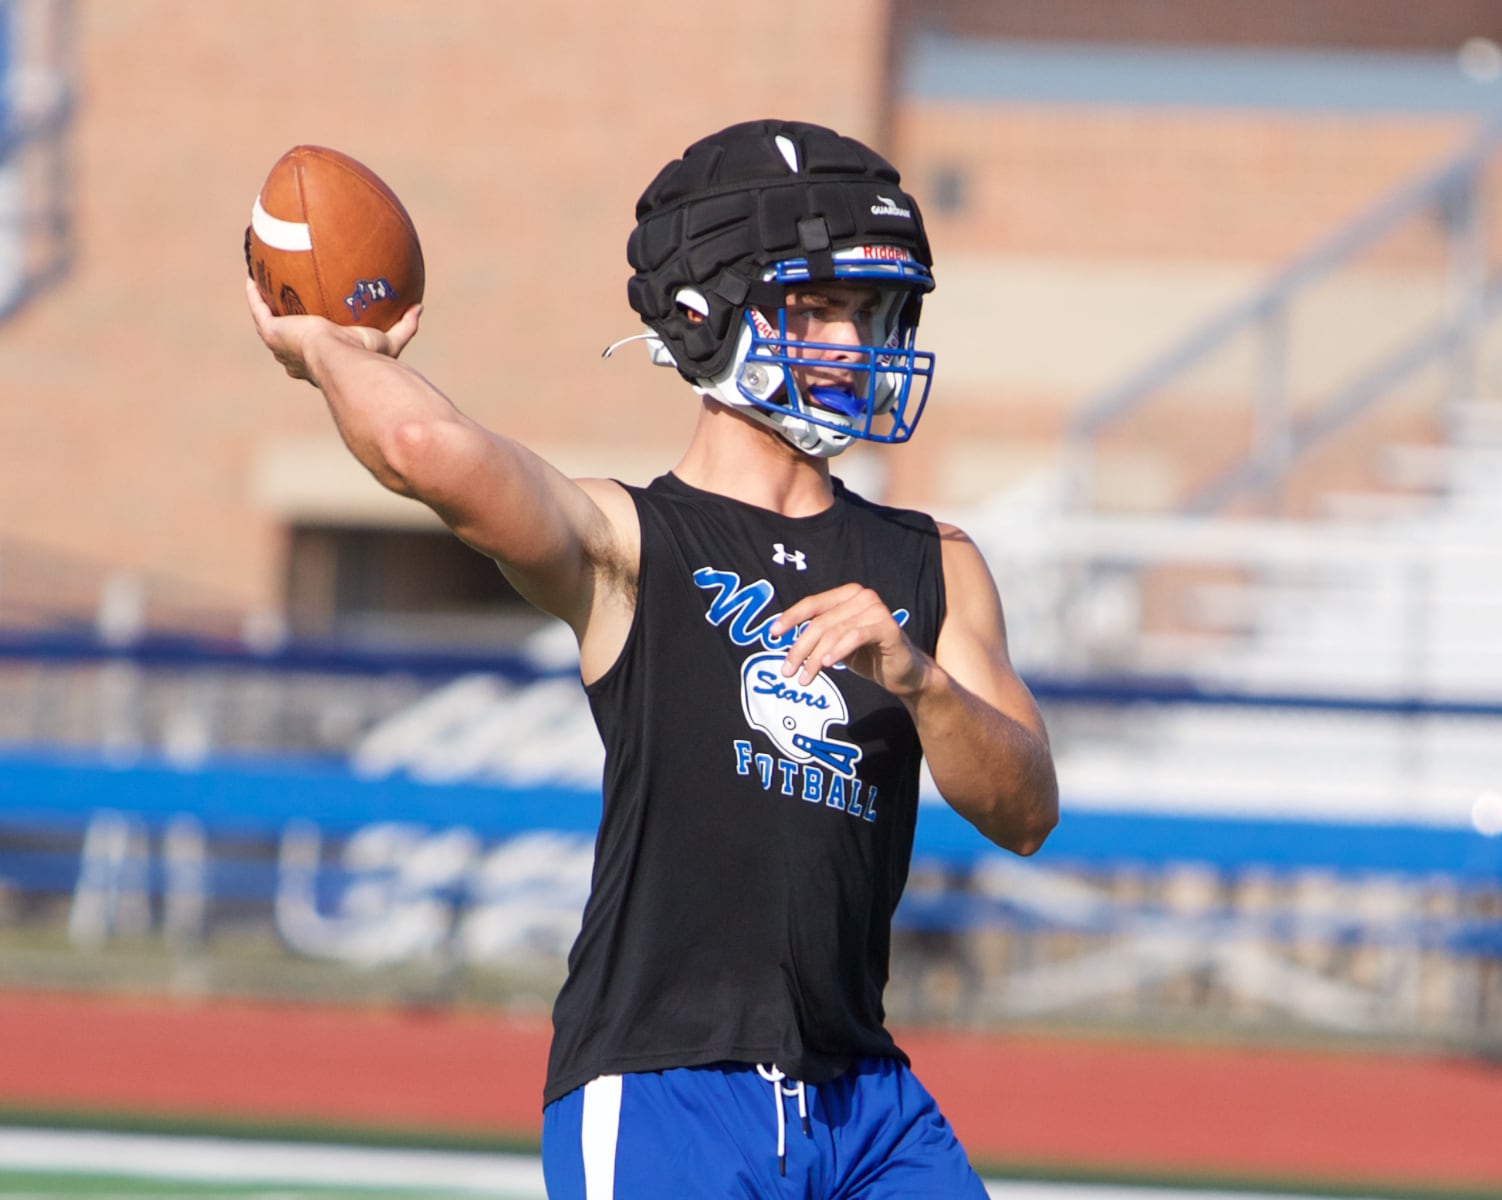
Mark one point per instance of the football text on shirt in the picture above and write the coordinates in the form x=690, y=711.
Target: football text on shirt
x=794, y=717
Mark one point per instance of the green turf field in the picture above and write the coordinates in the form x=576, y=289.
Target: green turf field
x=46, y=1164
x=80, y=1187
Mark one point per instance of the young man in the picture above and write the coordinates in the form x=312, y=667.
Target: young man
x=768, y=657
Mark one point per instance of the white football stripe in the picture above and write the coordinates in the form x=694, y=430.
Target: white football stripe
x=279, y=234
x=789, y=151
x=600, y=1127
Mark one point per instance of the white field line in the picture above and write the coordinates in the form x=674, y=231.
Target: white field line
x=515, y=1176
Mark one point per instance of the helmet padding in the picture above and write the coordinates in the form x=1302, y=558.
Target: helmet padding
x=741, y=200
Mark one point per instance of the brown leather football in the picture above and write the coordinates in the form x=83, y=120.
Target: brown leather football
x=328, y=237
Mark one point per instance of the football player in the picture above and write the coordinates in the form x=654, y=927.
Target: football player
x=770, y=658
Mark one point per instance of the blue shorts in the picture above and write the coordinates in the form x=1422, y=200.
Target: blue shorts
x=735, y=1130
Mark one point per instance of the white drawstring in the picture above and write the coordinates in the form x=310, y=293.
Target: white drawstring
x=776, y=1078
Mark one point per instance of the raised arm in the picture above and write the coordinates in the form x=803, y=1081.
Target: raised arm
x=982, y=734
x=570, y=547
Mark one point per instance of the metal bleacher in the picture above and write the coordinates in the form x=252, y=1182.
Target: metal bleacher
x=36, y=115
x=1290, y=725
x=1275, y=706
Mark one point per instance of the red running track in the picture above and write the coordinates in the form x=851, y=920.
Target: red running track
x=1085, y=1107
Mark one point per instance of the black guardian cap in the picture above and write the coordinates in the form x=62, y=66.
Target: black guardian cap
x=714, y=221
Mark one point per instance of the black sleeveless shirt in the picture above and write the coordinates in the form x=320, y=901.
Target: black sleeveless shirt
x=756, y=833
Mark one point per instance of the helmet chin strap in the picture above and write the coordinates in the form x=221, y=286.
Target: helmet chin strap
x=811, y=437
x=815, y=440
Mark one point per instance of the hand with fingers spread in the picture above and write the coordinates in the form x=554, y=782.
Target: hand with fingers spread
x=291, y=339
x=851, y=624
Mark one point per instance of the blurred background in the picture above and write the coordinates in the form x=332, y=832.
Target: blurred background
x=1219, y=393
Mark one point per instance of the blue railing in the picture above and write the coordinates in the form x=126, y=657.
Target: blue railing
x=185, y=651
x=484, y=872
x=251, y=798
x=188, y=652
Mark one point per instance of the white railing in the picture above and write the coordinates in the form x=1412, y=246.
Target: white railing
x=36, y=115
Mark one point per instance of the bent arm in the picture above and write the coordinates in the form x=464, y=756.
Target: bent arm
x=983, y=736
x=981, y=731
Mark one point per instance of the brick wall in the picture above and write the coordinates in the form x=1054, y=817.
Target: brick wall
x=144, y=426
x=1370, y=24
x=138, y=402
x=1087, y=240
x=1160, y=183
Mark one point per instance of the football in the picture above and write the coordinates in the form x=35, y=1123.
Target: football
x=328, y=237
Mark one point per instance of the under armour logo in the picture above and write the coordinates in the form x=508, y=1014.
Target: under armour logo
x=782, y=557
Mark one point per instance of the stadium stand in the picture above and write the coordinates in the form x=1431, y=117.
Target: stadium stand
x=1272, y=692
x=36, y=115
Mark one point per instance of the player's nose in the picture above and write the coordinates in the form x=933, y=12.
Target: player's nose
x=847, y=333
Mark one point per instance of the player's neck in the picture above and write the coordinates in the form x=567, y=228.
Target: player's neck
x=732, y=455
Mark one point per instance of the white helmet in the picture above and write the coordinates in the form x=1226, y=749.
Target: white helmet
x=796, y=718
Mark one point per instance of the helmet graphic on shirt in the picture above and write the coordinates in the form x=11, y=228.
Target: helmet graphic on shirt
x=795, y=716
